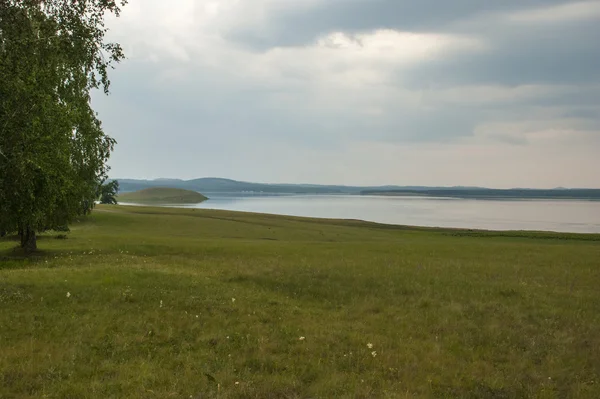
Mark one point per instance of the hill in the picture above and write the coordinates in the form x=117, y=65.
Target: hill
x=162, y=195
x=224, y=186
x=228, y=186
x=234, y=187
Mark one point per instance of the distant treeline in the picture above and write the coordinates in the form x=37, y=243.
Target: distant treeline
x=583, y=194
x=208, y=185
x=218, y=185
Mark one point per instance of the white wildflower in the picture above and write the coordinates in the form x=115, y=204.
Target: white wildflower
x=370, y=345
x=161, y=303
x=302, y=338
x=237, y=383
x=68, y=294
x=232, y=300
x=374, y=353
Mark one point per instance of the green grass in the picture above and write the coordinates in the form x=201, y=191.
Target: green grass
x=450, y=313
x=162, y=195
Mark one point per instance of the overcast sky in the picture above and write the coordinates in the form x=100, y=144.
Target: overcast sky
x=430, y=92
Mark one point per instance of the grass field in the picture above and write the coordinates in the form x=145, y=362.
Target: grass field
x=157, y=303
x=162, y=195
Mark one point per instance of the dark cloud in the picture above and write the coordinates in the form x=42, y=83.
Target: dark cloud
x=292, y=28
x=564, y=53
x=518, y=53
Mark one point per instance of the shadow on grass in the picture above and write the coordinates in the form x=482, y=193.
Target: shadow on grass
x=16, y=258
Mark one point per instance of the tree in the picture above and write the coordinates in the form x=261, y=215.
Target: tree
x=53, y=150
x=107, y=193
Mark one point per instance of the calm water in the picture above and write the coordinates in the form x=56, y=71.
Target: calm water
x=550, y=215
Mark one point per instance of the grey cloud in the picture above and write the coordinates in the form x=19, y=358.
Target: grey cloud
x=221, y=123
x=517, y=54
x=204, y=109
x=554, y=54
x=287, y=28
x=203, y=106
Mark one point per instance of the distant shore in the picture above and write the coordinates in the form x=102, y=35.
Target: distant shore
x=495, y=194
x=240, y=188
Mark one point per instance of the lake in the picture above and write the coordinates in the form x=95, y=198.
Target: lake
x=545, y=215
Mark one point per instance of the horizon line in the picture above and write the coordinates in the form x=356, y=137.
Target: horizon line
x=358, y=185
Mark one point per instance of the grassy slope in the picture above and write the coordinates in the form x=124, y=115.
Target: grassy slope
x=162, y=195
x=449, y=313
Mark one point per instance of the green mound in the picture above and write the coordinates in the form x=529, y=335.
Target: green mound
x=162, y=195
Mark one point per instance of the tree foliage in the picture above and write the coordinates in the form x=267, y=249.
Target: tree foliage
x=107, y=192
x=53, y=150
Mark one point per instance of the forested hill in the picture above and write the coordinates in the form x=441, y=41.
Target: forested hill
x=234, y=187
x=218, y=185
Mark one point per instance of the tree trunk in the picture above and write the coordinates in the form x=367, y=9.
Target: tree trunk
x=28, y=240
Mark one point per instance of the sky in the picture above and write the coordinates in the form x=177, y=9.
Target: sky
x=358, y=92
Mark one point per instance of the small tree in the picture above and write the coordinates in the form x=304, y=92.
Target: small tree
x=108, y=192
x=52, y=147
